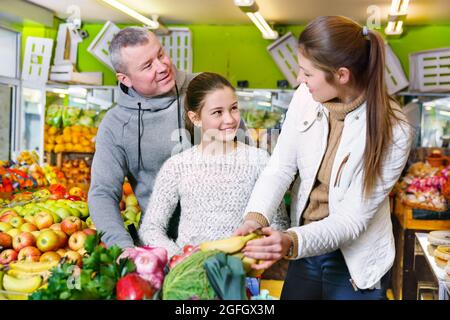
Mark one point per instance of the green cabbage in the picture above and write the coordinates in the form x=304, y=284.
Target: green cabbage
x=188, y=279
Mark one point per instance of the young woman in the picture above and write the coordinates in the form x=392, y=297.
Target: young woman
x=349, y=143
x=213, y=180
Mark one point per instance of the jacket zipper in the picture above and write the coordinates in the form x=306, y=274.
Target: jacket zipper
x=337, y=181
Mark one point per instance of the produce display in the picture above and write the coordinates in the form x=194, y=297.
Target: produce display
x=23, y=174
x=75, y=138
x=71, y=129
x=425, y=187
x=261, y=119
x=76, y=171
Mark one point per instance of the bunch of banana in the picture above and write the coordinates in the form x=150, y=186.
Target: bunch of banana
x=24, y=277
x=233, y=246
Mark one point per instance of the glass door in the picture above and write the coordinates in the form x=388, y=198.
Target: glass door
x=6, y=102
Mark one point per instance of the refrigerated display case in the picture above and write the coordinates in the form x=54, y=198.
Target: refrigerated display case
x=263, y=111
x=81, y=106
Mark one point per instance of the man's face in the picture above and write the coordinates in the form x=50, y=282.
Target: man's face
x=148, y=69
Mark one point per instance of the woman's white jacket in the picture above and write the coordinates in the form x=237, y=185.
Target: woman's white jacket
x=360, y=227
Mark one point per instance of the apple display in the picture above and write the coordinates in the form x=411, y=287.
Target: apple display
x=5, y=240
x=76, y=240
x=47, y=240
x=16, y=222
x=62, y=238
x=29, y=254
x=90, y=231
x=13, y=232
x=8, y=215
x=61, y=252
x=28, y=227
x=73, y=256
x=43, y=220
x=5, y=226
x=56, y=226
x=22, y=240
x=8, y=255
x=50, y=256
x=71, y=225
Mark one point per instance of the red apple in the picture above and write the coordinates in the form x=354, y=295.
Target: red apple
x=43, y=220
x=133, y=287
x=73, y=256
x=62, y=238
x=89, y=231
x=55, y=226
x=24, y=239
x=16, y=222
x=47, y=240
x=7, y=215
x=29, y=254
x=71, y=225
x=8, y=255
x=28, y=227
x=76, y=240
x=50, y=256
x=5, y=240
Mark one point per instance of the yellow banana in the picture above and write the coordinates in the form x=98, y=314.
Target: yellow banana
x=19, y=274
x=2, y=297
x=21, y=285
x=229, y=245
x=32, y=267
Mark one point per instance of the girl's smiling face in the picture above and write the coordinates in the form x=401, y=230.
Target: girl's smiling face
x=219, y=116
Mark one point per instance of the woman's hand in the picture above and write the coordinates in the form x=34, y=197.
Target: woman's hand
x=273, y=247
x=247, y=227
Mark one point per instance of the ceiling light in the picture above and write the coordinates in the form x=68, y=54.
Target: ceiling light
x=152, y=24
x=250, y=8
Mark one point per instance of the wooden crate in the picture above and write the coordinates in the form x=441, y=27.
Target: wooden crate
x=405, y=217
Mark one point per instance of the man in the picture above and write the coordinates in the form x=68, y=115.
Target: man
x=151, y=93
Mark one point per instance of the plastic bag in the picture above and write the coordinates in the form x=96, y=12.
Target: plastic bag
x=54, y=115
x=70, y=116
x=85, y=121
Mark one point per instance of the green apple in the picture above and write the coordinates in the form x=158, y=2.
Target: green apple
x=62, y=212
x=56, y=218
x=73, y=212
x=81, y=207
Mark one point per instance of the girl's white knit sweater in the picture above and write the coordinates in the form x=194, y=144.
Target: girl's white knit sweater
x=213, y=191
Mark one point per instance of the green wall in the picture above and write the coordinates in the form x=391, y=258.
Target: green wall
x=239, y=52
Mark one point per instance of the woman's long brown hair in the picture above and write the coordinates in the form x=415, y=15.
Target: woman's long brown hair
x=332, y=42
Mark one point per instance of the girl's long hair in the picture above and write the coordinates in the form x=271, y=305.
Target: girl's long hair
x=332, y=42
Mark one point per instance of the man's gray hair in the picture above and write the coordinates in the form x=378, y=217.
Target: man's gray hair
x=128, y=37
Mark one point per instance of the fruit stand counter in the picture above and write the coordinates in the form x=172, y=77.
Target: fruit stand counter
x=404, y=277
